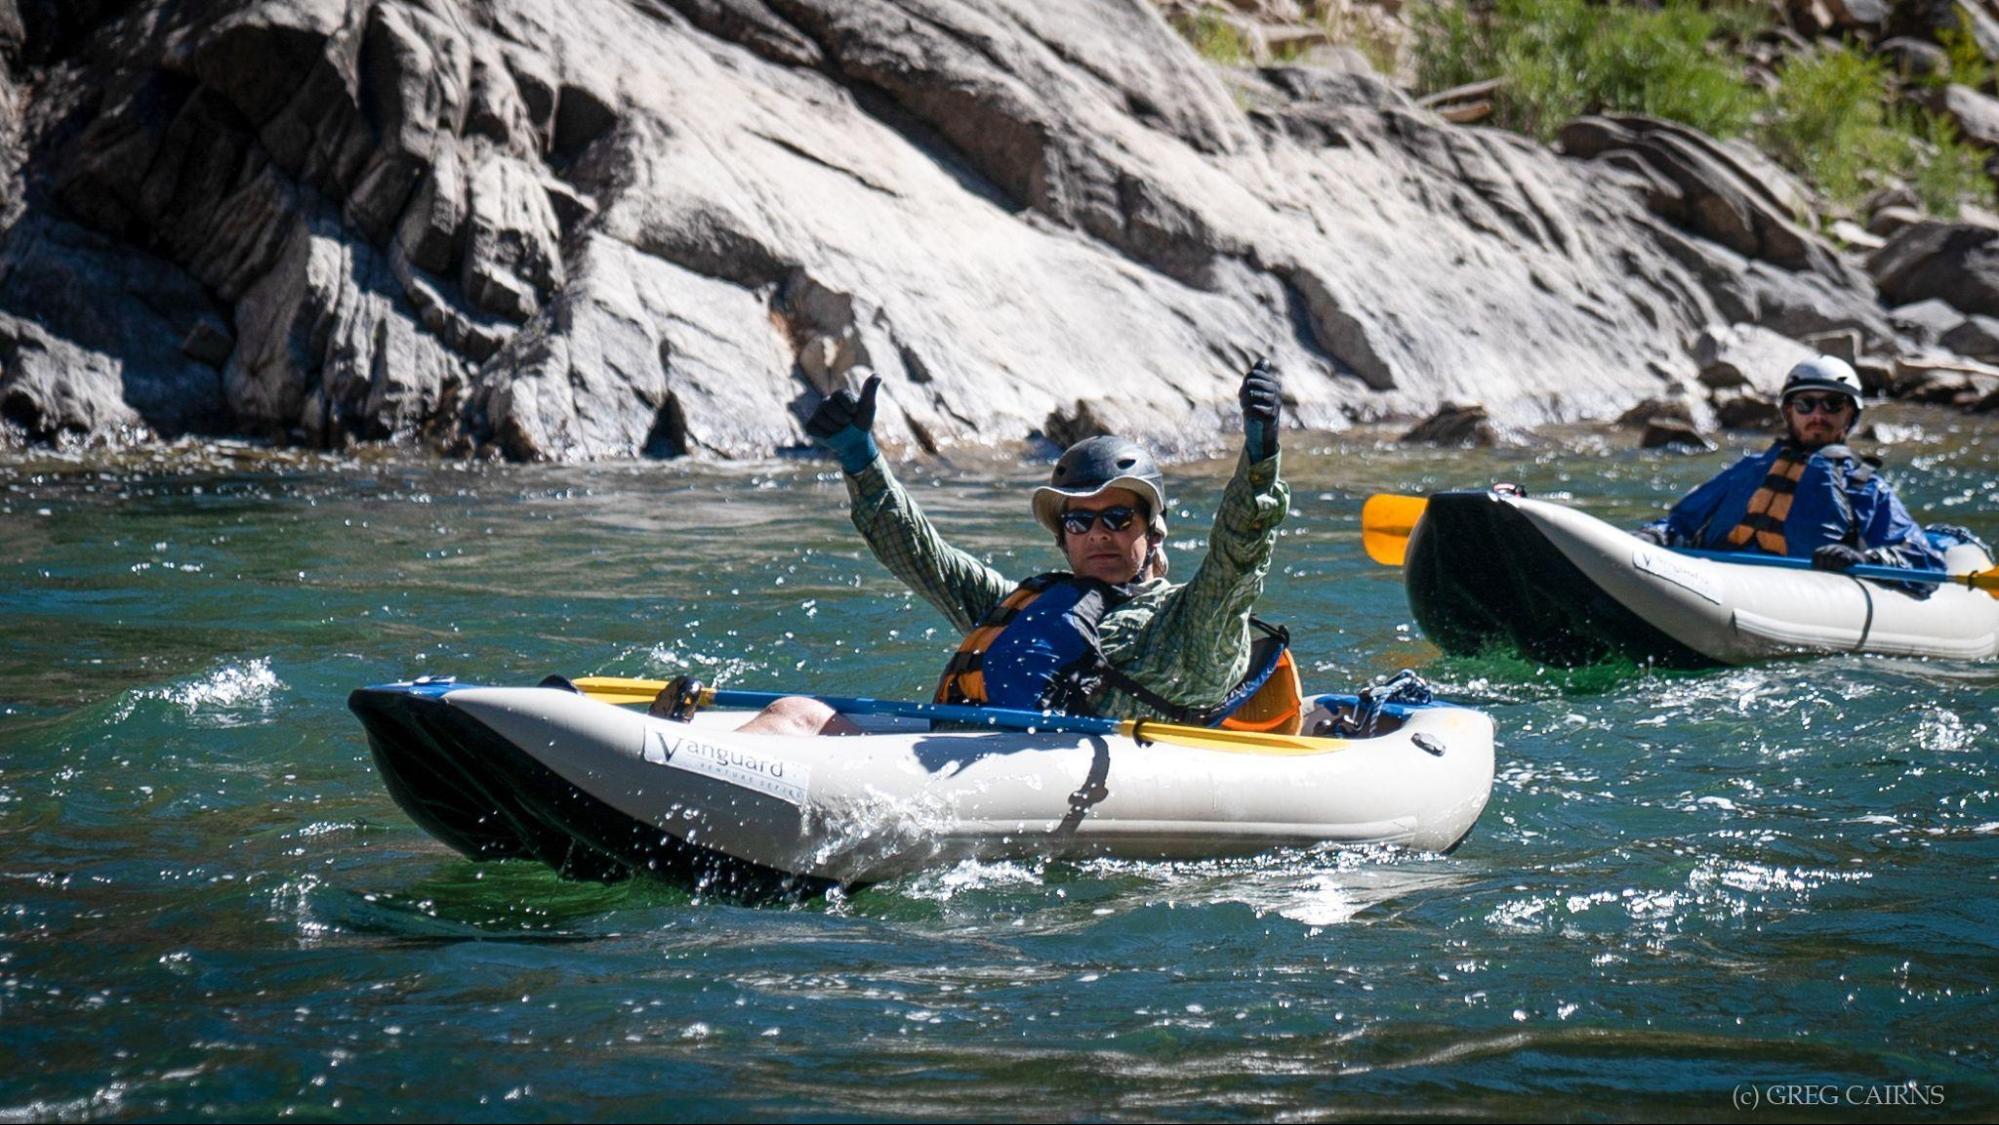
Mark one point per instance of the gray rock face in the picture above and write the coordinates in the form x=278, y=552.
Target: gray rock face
x=653, y=227
x=1953, y=262
x=1724, y=192
x=1744, y=355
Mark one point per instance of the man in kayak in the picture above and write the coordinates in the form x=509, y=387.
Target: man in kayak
x=1108, y=636
x=1808, y=495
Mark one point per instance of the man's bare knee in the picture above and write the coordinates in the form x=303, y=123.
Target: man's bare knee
x=799, y=715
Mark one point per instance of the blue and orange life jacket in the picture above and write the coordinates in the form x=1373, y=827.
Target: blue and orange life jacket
x=1762, y=523
x=1038, y=650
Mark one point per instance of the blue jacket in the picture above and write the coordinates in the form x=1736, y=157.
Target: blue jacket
x=1837, y=501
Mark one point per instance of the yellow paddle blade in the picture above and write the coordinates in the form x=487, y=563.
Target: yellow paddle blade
x=611, y=689
x=1385, y=523
x=1231, y=741
x=1986, y=580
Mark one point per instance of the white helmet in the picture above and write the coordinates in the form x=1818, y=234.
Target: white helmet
x=1823, y=373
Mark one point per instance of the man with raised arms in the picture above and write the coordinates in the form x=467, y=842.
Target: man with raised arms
x=1109, y=635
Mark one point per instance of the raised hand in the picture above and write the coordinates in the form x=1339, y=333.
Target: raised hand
x=844, y=424
x=1261, y=402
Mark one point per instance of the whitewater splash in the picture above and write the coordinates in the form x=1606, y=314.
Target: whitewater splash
x=232, y=695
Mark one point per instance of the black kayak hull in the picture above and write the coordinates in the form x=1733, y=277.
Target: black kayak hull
x=1482, y=576
x=482, y=795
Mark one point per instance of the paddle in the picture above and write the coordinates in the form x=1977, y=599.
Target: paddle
x=1385, y=528
x=611, y=689
x=1986, y=580
x=1385, y=523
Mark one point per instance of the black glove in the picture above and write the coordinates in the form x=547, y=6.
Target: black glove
x=1836, y=556
x=1653, y=535
x=845, y=425
x=1260, y=398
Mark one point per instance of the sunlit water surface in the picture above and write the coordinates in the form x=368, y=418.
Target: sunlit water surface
x=1687, y=886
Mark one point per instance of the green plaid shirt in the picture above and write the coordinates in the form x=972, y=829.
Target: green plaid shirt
x=1189, y=643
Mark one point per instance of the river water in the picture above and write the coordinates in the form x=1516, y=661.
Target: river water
x=1748, y=891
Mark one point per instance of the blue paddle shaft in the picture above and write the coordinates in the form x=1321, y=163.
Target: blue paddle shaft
x=947, y=712
x=1862, y=570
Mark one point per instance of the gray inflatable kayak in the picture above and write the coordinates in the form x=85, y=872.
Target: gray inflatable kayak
x=599, y=791
x=1489, y=569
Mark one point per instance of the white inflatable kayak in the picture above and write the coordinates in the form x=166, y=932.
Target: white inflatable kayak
x=1486, y=568
x=599, y=791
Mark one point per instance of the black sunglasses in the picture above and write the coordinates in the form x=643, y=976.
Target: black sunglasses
x=1079, y=521
x=1812, y=404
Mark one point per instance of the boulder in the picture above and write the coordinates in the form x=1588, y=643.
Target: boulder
x=1930, y=19
x=1747, y=410
x=157, y=339
x=1976, y=336
x=1862, y=14
x=1925, y=323
x=1875, y=374
x=1653, y=408
x=1913, y=58
x=51, y=390
x=1674, y=433
x=13, y=34
x=1853, y=236
x=1949, y=382
x=1889, y=220
x=1840, y=344
x=1955, y=262
x=1460, y=424
x=1976, y=115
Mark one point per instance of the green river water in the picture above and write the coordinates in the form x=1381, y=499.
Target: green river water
x=1764, y=892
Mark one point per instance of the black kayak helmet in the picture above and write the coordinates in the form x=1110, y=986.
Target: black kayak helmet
x=1093, y=465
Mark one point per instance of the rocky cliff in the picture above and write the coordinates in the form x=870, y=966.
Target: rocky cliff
x=610, y=228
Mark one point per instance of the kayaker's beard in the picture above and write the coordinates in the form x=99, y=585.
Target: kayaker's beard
x=1796, y=430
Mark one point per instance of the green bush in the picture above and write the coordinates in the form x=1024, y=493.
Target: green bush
x=1829, y=121
x=1949, y=172
x=1215, y=38
x=1564, y=58
x=1832, y=118
x=1967, y=64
